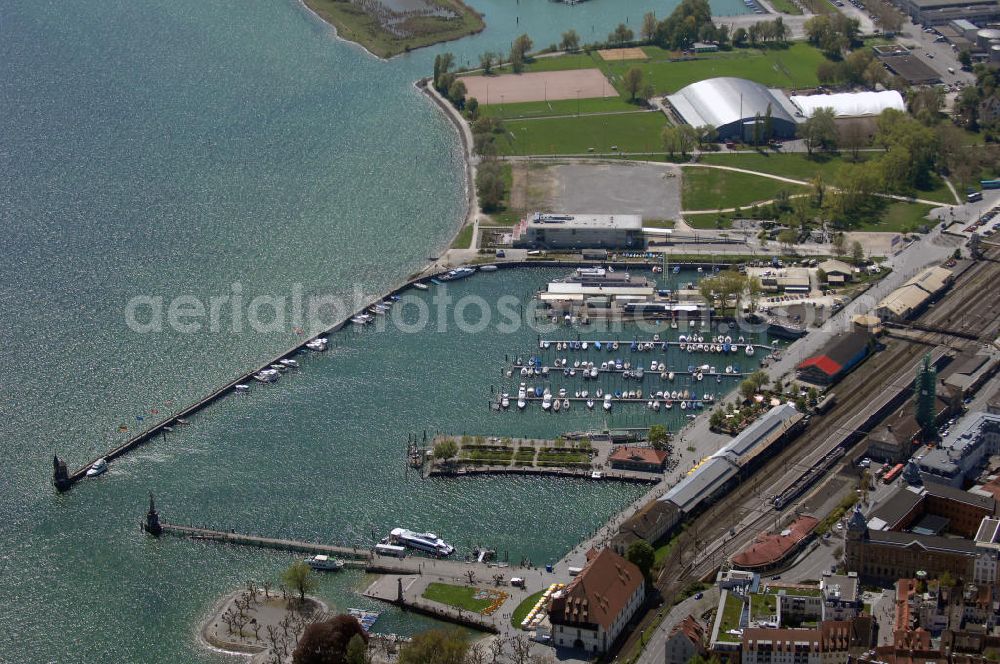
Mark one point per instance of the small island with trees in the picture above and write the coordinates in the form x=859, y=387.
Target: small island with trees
x=389, y=27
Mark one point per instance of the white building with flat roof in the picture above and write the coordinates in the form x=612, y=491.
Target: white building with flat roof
x=580, y=231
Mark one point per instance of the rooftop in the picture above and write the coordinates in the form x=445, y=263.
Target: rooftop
x=599, y=594
x=850, y=105
x=639, y=454
x=904, y=300
x=589, y=221
x=762, y=432
x=769, y=548
x=725, y=100
x=932, y=280
x=703, y=482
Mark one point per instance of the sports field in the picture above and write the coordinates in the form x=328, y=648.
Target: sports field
x=612, y=54
x=539, y=86
x=627, y=132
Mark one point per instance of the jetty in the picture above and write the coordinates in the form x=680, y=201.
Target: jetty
x=626, y=345
x=298, y=546
x=634, y=477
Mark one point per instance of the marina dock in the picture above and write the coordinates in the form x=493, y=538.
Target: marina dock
x=626, y=344
x=556, y=371
x=571, y=473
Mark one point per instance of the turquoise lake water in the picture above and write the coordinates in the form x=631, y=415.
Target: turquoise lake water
x=167, y=149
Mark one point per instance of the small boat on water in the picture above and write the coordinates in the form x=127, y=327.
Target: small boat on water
x=521, y=403
x=607, y=402
x=565, y=404
x=323, y=563
x=556, y=405
x=590, y=404
x=267, y=375
x=241, y=387
x=488, y=268
x=100, y=467
x=288, y=362
x=427, y=542
x=505, y=401
x=318, y=344
x=421, y=286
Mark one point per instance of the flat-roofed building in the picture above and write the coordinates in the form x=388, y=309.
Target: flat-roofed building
x=941, y=12
x=963, y=451
x=580, y=231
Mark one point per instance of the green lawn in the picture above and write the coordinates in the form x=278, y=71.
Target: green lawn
x=730, y=617
x=800, y=166
x=899, y=217
x=632, y=132
x=541, y=109
x=463, y=239
x=522, y=609
x=763, y=606
x=786, y=6
x=712, y=188
x=796, y=165
x=462, y=597
x=794, y=67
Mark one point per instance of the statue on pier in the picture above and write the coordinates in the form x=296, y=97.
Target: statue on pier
x=152, y=525
x=60, y=474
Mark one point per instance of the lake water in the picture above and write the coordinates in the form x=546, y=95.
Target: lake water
x=168, y=149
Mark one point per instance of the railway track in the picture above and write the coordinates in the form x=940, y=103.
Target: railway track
x=967, y=305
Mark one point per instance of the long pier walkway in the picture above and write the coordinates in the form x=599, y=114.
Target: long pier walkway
x=233, y=537
x=612, y=345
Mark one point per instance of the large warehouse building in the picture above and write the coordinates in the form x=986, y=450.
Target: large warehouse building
x=732, y=106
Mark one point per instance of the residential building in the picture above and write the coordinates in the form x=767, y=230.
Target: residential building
x=595, y=607
x=963, y=451
x=841, y=596
x=686, y=641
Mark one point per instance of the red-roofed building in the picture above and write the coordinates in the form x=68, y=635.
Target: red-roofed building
x=770, y=549
x=686, y=641
x=638, y=458
x=839, y=357
x=595, y=607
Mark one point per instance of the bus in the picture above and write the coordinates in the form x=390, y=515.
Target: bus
x=989, y=184
x=892, y=474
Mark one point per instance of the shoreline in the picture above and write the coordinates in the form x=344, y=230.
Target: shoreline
x=406, y=48
x=471, y=162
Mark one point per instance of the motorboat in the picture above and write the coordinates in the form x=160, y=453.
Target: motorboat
x=547, y=402
x=505, y=401
x=323, y=563
x=421, y=286
x=565, y=404
x=488, y=268
x=748, y=350
x=317, y=344
x=521, y=403
x=607, y=402
x=590, y=404
x=556, y=405
x=288, y=362
x=98, y=468
x=241, y=387
x=267, y=375
x=670, y=376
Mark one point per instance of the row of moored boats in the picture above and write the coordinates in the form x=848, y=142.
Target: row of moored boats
x=561, y=400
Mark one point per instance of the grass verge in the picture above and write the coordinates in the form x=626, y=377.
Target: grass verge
x=712, y=189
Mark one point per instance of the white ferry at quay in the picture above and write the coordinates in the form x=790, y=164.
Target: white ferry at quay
x=426, y=542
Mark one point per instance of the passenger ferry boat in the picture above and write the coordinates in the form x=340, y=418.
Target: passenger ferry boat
x=427, y=542
x=457, y=273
